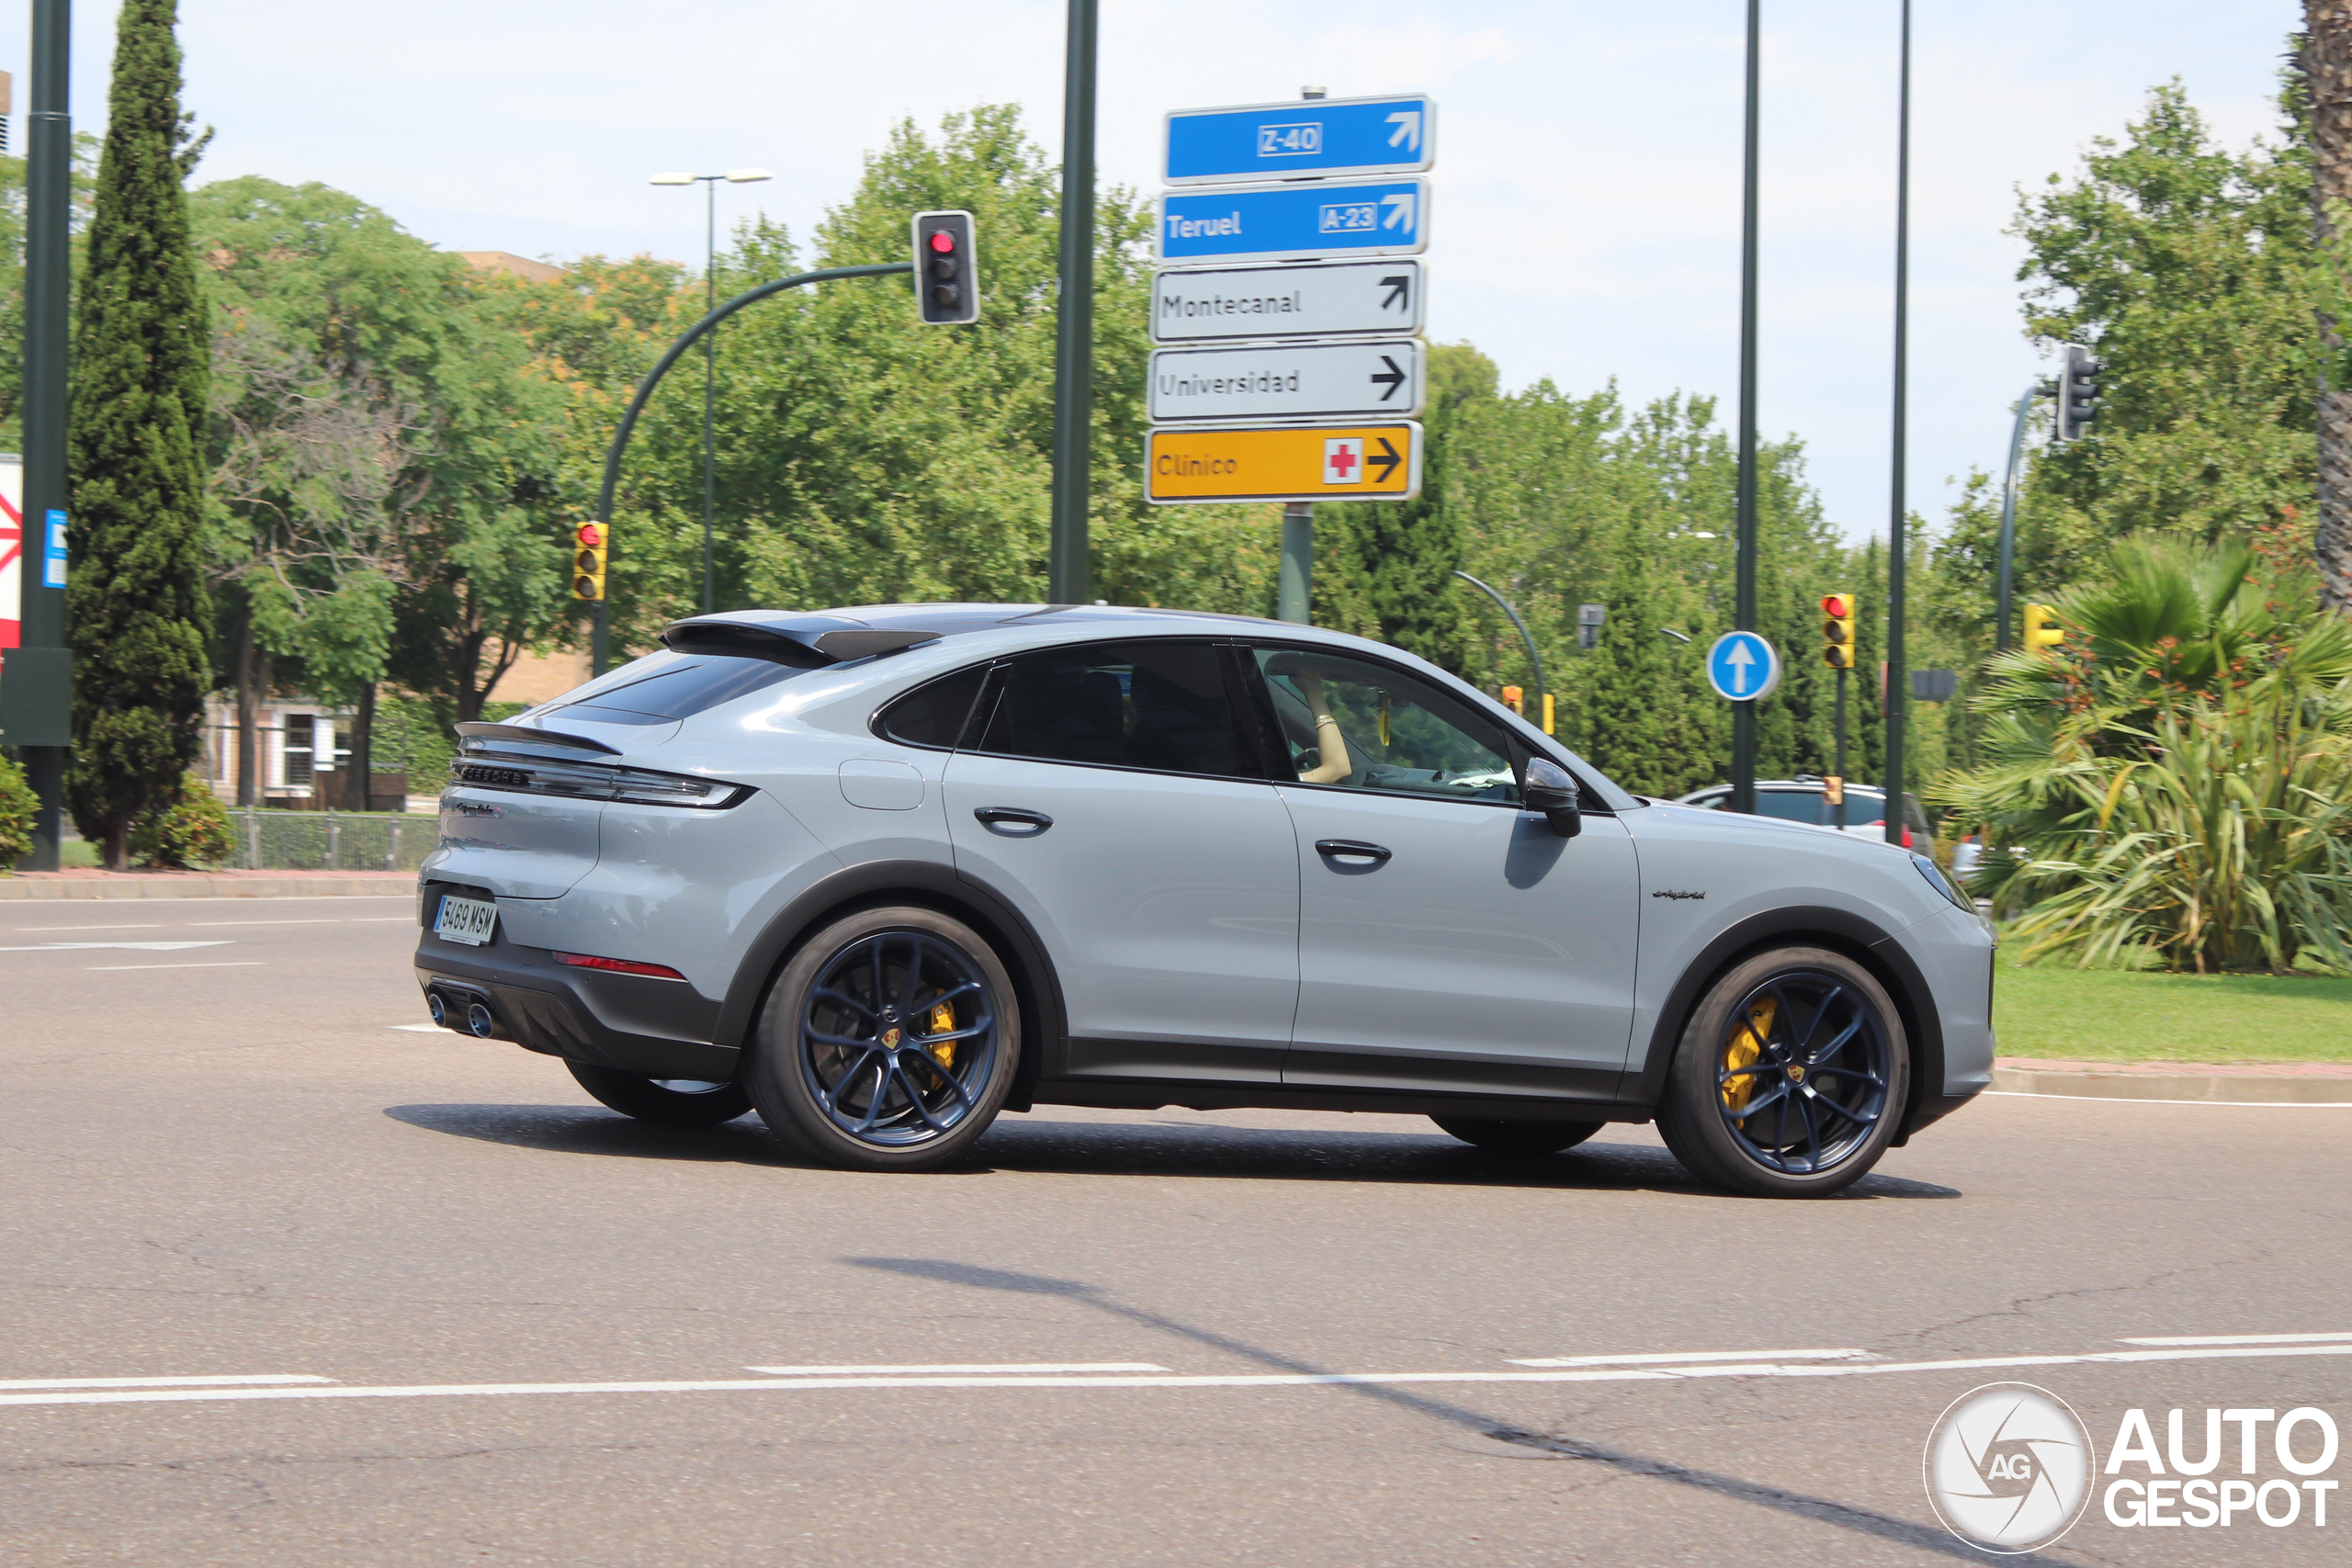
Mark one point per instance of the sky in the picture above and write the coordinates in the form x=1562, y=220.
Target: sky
x=1587, y=206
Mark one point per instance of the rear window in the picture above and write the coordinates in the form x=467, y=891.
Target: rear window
x=668, y=686
x=933, y=715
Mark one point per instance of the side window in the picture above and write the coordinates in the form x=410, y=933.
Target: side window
x=1810, y=806
x=932, y=715
x=1350, y=722
x=1159, y=706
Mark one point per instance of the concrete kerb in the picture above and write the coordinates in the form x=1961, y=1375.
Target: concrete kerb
x=78, y=886
x=2266, y=1083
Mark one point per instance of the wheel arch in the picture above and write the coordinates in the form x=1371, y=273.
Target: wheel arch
x=1863, y=940
x=929, y=885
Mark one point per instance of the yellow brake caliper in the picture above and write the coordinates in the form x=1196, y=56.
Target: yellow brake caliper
x=1746, y=1048
x=942, y=1022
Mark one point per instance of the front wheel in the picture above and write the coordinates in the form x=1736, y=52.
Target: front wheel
x=888, y=1041
x=1501, y=1137
x=672, y=1102
x=1791, y=1077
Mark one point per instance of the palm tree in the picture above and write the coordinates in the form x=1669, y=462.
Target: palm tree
x=2324, y=55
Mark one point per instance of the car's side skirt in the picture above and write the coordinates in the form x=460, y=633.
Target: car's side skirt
x=1138, y=1095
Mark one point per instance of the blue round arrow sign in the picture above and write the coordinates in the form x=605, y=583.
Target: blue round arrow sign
x=1742, y=667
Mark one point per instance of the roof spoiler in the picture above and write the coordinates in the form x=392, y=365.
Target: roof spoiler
x=524, y=732
x=807, y=645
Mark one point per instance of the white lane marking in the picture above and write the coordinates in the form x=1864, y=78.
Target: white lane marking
x=380, y=919
x=2239, y=1339
x=967, y=1367
x=222, y=964
x=292, y=921
x=1230, y=1379
x=1697, y=1356
x=2214, y=1104
x=135, y=926
x=267, y=1378
x=121, y=946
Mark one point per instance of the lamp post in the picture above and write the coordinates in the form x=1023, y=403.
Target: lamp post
x=710, y=340
x=1898, y=681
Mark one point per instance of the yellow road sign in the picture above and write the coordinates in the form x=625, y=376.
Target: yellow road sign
x=1310, y=462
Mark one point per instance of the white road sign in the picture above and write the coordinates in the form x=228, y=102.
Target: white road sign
x=1381, y=377
x=1326, y=299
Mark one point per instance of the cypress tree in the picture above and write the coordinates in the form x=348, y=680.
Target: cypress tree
x=135, y=594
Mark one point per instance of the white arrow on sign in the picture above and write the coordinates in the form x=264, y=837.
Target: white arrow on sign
x=1408, y=133
x=1739, y=659
x=1400, y=211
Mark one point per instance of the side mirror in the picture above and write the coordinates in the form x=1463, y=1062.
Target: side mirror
x=1549, y=789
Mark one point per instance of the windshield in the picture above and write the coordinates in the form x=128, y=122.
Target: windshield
x=665, y=686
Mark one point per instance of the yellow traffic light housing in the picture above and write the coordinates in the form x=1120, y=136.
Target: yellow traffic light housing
x=588, y=562
x=1514, y=699
x=1838, y=630
x=1833, y=790
x=2041, y=629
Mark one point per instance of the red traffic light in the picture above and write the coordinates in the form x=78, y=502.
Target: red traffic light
x=591, y=535
x=1838, y=606
x=942, y=241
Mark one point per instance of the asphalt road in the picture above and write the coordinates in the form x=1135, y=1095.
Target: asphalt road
x=228, y=1162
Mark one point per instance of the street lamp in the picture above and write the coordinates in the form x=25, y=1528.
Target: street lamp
x=710, y=339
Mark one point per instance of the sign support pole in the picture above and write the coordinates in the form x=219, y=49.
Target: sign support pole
x=1067, y=577
x=1898, y=681
x=48, y=194
x=1743, y=715
x=1294, y=599
x=1841, y=746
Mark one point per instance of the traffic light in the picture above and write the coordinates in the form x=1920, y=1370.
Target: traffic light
x=2042, y=629
x=1515, y=699
x=2077, y=395
x=588, y=562
x=947, y=278
x=1838, y=630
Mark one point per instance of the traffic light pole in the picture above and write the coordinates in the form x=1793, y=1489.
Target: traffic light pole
x=1841, y=746
x=1535, y=659
x=1898, y=684
x=1067, y=577
x=2009, y=522
x=1743, y=715
x=599, y=655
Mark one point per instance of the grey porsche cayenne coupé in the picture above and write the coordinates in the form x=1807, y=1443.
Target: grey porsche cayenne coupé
x=882, y=872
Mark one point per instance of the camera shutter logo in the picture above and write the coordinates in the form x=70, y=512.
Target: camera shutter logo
x=2009, y=1467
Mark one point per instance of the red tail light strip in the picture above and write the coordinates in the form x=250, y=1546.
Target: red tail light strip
x=618, y=965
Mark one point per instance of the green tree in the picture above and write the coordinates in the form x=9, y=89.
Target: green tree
x=135, y=600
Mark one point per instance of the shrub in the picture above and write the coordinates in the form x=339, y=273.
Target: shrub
x=18, y=807
x=193, y=830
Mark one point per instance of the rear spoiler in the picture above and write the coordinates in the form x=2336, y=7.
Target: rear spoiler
x=808, y=645
x=524, y=732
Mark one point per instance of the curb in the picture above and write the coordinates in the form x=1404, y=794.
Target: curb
x=2280, y=1085
x=228, y=884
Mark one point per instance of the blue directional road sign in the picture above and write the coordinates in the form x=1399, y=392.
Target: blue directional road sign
x=1311, y=136
x=1283, y=223
x=1742, y=667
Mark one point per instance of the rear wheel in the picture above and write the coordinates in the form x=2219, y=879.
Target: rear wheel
x=673, y=1102
x=888, y=1041
x=1791, y=1077
x=1497, y=1136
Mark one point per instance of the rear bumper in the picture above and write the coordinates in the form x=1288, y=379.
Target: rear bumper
x=628, y=1022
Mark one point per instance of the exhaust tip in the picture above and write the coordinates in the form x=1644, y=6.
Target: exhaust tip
x=437, y=1008
x=478, y=1020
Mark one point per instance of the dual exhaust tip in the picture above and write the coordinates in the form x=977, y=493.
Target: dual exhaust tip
x=465, y=1014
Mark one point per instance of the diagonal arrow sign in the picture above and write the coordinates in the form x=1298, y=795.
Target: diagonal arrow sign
x=1408, y=133
x=1391, y=377
x=1400, y=292
x=1385, y=461
x=1400, y=210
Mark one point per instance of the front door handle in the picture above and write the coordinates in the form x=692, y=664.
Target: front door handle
x=1013, y=821
x=1345, y=848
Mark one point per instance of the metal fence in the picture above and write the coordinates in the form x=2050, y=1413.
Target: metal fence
x=329, y=840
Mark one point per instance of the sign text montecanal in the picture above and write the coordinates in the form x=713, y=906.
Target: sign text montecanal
x=1310, y=299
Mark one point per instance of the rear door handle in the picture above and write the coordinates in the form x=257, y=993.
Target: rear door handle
x=1352, y=848
x=1013, y=821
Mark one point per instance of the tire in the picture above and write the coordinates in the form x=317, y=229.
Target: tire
x=1518, y=1137
x=838, y=1070
x=1822, y=1040
x=665, y=1100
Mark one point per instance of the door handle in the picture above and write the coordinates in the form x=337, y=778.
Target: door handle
x=1012, y=821
x=1352, y=848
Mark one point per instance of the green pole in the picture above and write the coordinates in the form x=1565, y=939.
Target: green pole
x=41, y=669
x=709, y=373
x=2009, y=523
x=1068, y=580
x=1295, y=586
x=1743, y=715
x=1898, y=684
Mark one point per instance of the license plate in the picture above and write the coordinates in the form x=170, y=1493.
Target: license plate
x=470, y=920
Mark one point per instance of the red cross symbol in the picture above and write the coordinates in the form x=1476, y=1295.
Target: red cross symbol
x=1342, y=460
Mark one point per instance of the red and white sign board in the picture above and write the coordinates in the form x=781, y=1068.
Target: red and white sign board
x=12, y=553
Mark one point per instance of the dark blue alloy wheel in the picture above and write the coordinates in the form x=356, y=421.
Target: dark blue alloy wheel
x=1802, y=1075
x=897, y=1038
